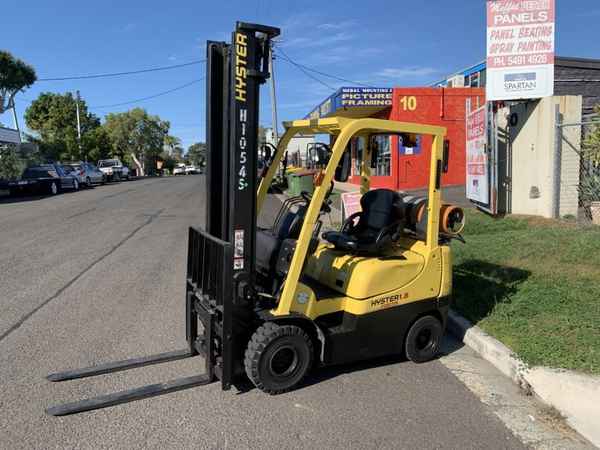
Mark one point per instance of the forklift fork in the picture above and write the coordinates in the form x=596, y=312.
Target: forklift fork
x=194, y=311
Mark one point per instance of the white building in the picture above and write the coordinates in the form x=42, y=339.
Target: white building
x=297, y=148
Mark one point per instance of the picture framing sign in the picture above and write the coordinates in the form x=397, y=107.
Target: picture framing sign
x=477, y=157
x=520, y=49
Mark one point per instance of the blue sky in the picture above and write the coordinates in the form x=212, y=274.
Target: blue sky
x=380, y=43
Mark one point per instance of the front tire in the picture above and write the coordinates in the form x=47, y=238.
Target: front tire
x=75, y=184
x=53, y=189
x=278, y=357
x=423, y=339
x=88, y=182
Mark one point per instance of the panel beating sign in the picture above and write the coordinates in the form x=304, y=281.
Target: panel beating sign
x=477, y=159
x=520, y=49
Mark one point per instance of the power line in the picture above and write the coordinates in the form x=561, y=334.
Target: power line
x=148, y=97
x=335, y=77
x=318, y=80
x=118, y=74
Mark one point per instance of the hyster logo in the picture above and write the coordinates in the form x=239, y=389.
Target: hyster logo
x=241, y=63
x=385, y=301
x=520, y=81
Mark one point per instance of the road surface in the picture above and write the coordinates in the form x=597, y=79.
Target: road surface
x=98, y=275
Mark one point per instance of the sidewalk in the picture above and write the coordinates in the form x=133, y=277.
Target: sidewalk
x=575, y=396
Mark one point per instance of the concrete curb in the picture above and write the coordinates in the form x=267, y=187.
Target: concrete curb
x=575, y=396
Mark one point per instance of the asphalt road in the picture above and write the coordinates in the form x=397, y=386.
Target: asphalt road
x=98, y=275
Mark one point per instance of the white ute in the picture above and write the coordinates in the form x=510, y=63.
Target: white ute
x=113, y=169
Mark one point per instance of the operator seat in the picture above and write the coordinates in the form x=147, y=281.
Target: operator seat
x=268, y=241
x=381, y=219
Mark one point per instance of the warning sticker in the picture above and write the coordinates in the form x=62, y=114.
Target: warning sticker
x=238, y=251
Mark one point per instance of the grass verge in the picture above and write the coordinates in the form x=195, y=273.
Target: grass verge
x=534, y=284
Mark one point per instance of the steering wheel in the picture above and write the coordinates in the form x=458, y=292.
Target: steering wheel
x=385, y=231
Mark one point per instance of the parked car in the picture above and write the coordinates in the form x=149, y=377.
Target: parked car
x=190, y=170
x=86, y=173
x=179, y=169
x=114, y=169
x=43, y=179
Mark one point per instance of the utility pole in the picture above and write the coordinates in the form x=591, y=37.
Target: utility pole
x=78, y=123
x=15, y=119
x=273, y=100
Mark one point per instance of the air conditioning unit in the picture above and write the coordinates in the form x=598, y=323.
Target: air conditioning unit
x=457, y=81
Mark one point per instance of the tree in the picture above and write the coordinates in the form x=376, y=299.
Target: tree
x=174, y=148
x=171, y=143
x=54, y=118
x=97, y=144
x=196, y=154
x=10, y=165
x=137, y=133
x=15, y=75
x=591, y=143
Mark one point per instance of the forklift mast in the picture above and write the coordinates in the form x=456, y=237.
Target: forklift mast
x=234, y=74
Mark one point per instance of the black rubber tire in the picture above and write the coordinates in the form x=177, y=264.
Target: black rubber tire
x=272, y=343
x=88, y=182
x=423, y=339
x=75, y=185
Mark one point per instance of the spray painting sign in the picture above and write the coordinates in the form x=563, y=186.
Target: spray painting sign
x=520, y=49
x=477, y=159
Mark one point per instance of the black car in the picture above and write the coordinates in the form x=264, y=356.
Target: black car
x=43, y=179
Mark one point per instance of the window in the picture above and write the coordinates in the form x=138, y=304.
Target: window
x=358, y=146
x=38, y=172
x=384, y=156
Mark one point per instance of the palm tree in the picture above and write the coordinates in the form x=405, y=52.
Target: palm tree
x=171, y=143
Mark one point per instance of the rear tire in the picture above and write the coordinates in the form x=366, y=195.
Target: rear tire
x=278, y=357
x=53, y=189
x=75, y=185
x=88, y=182
x=423, y=339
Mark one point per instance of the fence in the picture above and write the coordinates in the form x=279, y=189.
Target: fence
x=578, y=168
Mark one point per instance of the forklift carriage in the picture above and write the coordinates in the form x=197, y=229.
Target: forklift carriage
x=268, y=303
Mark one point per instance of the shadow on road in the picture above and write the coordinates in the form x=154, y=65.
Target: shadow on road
x=320, y=374
x=24, y=198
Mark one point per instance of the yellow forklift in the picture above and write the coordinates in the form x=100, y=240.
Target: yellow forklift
x=270, y=304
